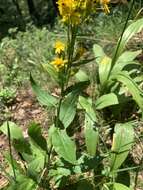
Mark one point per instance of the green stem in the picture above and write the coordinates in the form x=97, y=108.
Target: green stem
x=70, y=50
x=72, y=31
x=10, y=150
x=59, y=106
x=120, y=40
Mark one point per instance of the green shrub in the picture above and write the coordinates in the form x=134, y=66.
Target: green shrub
x=22, y=52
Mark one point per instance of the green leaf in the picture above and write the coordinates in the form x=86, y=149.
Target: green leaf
x=86, y=104
x=104, y=70
x=104, y=64
x=68, y=109
x=138, y=79
x=35, y=161
x=123, y=178
x=15, y=131
x=132, y=29
x=91, y=136
x=82, y=62
x=125, y=59
x=77, y=87
x=34, y=131
x=81, y=76
x=17, y=166
x=23, y=183
x=119, y=186
x=43, y=97
x=123, y=139
x=63, y=145
x=51, y=71
x=133, y=88
x=37, y=164
x=106, y=101
x=98, y=53
x=22, y=146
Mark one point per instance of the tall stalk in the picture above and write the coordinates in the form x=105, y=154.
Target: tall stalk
x=10, y=151
x=120, y=40
x=71, y=38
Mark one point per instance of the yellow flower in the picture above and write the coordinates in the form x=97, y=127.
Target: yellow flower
x=75, y=18
x=69, y=10
x=75, y=11
x=66, y=7
x=58, y=63
x=59, y=47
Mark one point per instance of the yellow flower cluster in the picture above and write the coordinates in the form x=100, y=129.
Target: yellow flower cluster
x=59, y=62
x=74, y=11
x=68, y=11
x=59, y=47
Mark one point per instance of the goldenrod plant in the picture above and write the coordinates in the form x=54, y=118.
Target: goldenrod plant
x=95, y=160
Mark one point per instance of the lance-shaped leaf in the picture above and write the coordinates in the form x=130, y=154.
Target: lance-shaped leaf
x=98, y=53
x=123, y=139
x=106, y=101
x=125, y=59
x=36, y=165
x=34, y=131
x=15, y=131
x=104, y=64
x=91, y=136
x=49, y=68
x=20, y=144
x=68, y=109
x=133, y=88
x=86, y=104
x=22, y=183
x=81, y=76
x=104, y=69
x=63, y=145
x=43, y=97
x=132, y=29
x=119, y=186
